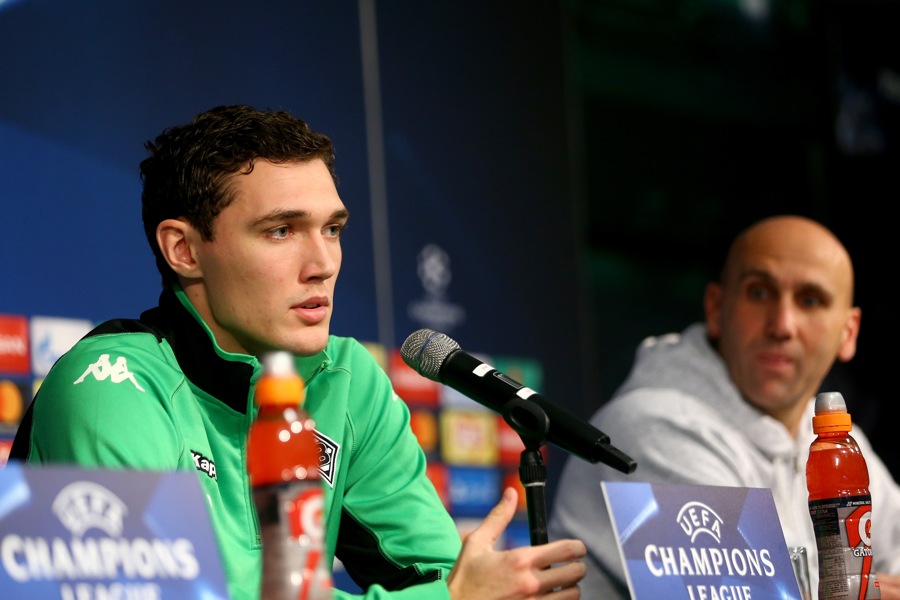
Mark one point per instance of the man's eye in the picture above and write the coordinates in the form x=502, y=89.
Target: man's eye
x=757, y=293
x=280, y=232
x=334, y=230
x=811, y=301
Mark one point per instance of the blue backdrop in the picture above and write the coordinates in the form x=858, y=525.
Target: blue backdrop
x=450, y=126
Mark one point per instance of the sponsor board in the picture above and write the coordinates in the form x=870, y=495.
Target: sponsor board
x=84, y=534
x=473, y=491
x=468, y=437
x=693, y=542
x=14, y=351
x=51, y=337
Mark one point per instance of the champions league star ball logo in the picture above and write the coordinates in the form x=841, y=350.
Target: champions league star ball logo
x=434, y=270
x=435, y=275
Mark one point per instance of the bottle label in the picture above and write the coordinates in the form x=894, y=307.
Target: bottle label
x=843, y=538
x=291, y=524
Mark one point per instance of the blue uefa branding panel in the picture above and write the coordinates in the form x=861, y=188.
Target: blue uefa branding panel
x=692, y=542
x=74, y=533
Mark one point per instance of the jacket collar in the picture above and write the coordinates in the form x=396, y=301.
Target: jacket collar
x=228, y=376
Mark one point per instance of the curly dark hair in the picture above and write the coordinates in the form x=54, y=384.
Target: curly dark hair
x=188, y=170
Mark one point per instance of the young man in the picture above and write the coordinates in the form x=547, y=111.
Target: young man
x=242, y=212
x=730, y=402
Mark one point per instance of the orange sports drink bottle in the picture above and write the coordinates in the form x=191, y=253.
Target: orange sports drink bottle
x=283, y=465
x=840, y=505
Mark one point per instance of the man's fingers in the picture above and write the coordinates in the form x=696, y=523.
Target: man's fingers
x=494, y=524
x=560, y=551
x=561, y=576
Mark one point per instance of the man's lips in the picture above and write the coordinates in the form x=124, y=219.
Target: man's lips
x=313, y=302
x=312, y=310
x=774, y=360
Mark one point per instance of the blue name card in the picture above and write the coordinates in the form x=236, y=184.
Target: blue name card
x=692, y=542
x=100, y=534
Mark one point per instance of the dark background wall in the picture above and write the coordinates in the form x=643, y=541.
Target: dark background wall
x=700, y=117
x=579, y=165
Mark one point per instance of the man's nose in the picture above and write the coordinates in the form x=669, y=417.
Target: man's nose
x=320, y=260
x=782, y=318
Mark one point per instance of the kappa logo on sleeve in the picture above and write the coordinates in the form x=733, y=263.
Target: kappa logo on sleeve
x=103, y=369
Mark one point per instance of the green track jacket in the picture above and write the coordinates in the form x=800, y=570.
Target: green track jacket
x=159, y=394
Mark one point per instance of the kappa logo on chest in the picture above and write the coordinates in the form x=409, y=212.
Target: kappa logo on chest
x=206, y=465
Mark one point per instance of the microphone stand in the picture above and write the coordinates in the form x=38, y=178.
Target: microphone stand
x=532, y=424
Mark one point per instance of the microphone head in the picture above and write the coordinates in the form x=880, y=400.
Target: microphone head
x=426, y=350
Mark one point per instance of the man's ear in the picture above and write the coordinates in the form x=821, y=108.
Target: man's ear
x=176, y=238
x=849, y=335
x=712, y=306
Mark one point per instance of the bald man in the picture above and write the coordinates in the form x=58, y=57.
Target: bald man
x=730, y=401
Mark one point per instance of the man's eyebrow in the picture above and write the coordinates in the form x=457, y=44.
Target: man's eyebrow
x=276, y=215
x=754, y=272
x=281, y=215
x=803, y=286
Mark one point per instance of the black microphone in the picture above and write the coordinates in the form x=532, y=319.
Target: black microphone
x=437, y=357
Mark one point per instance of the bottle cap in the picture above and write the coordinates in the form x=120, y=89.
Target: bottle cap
x=280, y=383
x=831, y=413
